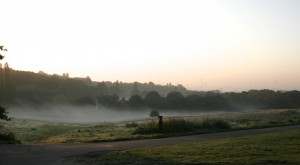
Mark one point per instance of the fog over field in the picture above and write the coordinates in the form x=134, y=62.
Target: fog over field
x=88, y=114
x=73, y=114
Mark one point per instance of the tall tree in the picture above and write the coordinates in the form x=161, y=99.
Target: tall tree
x=3, y=112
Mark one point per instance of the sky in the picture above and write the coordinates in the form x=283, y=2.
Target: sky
x=227, y=45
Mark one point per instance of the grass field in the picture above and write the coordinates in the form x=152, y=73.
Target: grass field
x=270, y=148
x=32, y=131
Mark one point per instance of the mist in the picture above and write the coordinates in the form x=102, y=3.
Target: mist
x=74, y=114
x=90, y=114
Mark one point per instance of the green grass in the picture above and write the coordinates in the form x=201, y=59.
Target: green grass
x=7, y=137
x=271, y=148
x=32, y=131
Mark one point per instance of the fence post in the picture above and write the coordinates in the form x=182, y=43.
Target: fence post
x=160, y=123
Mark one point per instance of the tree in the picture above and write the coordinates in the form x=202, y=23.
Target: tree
x=101, y=88
x=154, y=113
x=109, y=100
x=3, y=112
x=135, y=90
x=136, y=101
x=174, y=100
x=2, y=48
x=153, y=100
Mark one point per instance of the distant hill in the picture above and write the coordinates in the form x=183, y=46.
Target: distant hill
x=19, y=88
x=24, y=87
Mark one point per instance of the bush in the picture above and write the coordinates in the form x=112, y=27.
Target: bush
x=214, y=123
x=154, y=113
x=147, y=128
x=131, y=125
x=181, y=125
x=169, y=126
x=6, y=136
x=3, y=114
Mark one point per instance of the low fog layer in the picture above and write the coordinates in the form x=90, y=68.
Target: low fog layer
x=85, y=114
x=73, y=114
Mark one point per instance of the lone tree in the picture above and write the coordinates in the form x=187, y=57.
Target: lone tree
x=3, y=112
x=154, y=113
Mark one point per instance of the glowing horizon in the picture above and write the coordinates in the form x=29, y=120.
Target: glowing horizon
x=203, y=45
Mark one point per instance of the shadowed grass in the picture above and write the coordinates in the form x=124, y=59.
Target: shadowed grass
x=7, y=137
x=271, y=148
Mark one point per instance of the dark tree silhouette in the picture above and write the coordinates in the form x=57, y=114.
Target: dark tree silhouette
x=136, y=101
x=109, y=100
x=3, y=112
x=153, y=100
x=174, y=100
x=154, y=113
x=2, y=48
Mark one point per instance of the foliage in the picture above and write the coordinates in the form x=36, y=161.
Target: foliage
x=2, y=48
x=214, y=123
x=153, y=100
x=269, y=148
x=109, y=100
x=154, y=113
x=7, y=136
x=4, y=86
x=136, y=101
x=3, y=114
x=131, y=125
x=38, y=89
x=180, y=125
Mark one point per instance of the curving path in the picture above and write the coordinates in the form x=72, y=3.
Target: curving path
x=56, y=154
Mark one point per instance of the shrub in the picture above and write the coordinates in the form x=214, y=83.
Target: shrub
x=131, y=125
x=214, y=123
x=181, y=125
x=3, y=114
x=147, y=128
x=154, y=113
x=169, y=126
x=6, y=136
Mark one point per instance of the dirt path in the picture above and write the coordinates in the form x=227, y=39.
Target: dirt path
x=57, y=154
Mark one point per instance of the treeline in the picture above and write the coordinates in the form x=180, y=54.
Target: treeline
x=22, y=87
x=38, y=89
x=206, y=101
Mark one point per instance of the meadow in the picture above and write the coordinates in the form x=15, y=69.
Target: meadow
x=47, y=132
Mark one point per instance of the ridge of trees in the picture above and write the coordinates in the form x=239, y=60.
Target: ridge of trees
x=40, y=88
x=253, y=99
x=37, y=89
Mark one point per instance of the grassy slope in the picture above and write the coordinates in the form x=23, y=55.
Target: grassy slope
x=271, y=148
x=30, y=131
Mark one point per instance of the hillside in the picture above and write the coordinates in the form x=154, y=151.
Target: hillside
x=19, y=88
x=24, y=87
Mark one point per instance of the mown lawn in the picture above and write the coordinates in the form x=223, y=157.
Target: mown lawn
x=270, y=148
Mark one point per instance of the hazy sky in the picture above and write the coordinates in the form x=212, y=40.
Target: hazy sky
x=204, y=45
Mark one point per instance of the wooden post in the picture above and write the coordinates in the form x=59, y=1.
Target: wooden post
x=160, y=123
